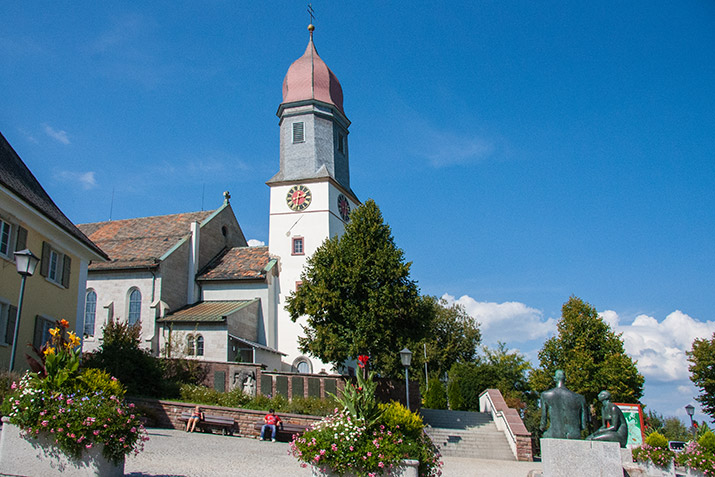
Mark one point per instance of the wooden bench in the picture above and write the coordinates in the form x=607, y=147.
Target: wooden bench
x=227, y=425
x=284, y=432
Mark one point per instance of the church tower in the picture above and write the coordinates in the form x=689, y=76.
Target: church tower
x=310, y=198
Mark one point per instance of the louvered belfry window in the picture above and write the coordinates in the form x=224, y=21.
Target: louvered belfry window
x=298, y=132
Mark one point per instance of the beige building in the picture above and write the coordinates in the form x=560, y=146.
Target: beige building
x=152, y=269
x=29, y=219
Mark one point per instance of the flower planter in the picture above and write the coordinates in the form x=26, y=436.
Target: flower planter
x=409, y=468
x=20, y=455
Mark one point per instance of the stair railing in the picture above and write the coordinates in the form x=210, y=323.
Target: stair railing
x=509, y=422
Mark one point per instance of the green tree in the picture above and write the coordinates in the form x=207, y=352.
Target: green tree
x=358, y=297
x=591, y=355
x=702, y=372
x=495, y=369
x=121, y=357
x=453, y=337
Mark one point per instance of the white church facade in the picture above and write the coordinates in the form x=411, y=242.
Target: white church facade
x=223, y=300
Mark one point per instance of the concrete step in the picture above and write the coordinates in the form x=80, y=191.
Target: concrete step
x=466, y=434
x=454, y=419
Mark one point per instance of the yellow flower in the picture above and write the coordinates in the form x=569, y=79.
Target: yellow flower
x=74, y=339
x=54, y=331
x=49, y=350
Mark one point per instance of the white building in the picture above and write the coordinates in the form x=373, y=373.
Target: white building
x=311, y=197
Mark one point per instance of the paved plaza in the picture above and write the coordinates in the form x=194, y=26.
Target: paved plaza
x=177, y=453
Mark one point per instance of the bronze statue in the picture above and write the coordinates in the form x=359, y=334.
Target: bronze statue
x=615, y=426
x=566, y=410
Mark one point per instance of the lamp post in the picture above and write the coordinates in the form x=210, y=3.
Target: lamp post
x=26, y=262
x=691, y=410
x=406, y=357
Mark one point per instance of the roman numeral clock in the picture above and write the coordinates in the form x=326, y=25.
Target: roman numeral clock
x=299, y=198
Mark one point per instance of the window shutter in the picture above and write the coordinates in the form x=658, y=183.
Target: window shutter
x=66, y=269
x=10, y=328
x=37, y=337
x=21, y=241
x=45, y=265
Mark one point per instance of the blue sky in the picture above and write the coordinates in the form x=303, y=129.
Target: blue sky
x=521, y=151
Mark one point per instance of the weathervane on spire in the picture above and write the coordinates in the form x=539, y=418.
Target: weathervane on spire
x=311, y=13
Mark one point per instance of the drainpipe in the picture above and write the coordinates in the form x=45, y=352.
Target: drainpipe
x=193, y=268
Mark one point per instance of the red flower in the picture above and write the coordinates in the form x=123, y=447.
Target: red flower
x=362, y=360
x=64, y=324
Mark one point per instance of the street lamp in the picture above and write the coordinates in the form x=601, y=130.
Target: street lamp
x=691, y=410
x=406, y=358
x=26, y=263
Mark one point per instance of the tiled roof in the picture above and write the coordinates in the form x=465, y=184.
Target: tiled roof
x=139, y=243
x=206, y=311
x=15, y=175
x=238, y=263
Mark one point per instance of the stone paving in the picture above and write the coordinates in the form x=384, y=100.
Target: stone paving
x=179, y=454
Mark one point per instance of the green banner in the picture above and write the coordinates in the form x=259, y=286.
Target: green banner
x=634, y=417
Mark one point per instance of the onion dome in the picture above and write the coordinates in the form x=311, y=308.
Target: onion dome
x=310, y=78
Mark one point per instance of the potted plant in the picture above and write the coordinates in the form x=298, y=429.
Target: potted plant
x=74, y=421
x=363, y=437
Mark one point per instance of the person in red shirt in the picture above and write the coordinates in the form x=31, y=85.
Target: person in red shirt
x=272, y=421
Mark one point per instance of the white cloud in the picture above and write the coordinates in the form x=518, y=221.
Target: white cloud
x=660, y=347
x=85, y=179
x=256, y=243
x=60, y=136
x=509, y=322
x=444, y=148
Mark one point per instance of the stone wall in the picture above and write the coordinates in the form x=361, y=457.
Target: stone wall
x=165, y=414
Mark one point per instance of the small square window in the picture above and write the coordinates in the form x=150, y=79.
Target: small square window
x=298, y=248
x=298, y=132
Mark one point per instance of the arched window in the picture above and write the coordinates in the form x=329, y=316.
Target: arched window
x=199, y=345
x=190, y=345
x=302, y=365
x=135, y=306
x=90, y=312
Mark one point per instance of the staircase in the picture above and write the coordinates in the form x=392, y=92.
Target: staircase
x=466, y=434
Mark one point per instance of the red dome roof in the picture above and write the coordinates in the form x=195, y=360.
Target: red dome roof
x=310, y=78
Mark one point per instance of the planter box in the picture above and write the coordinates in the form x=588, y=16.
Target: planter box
x=29, y=456
x=409, y=468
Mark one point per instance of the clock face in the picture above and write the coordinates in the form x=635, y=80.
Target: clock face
x=299, y=197
x=344, y=207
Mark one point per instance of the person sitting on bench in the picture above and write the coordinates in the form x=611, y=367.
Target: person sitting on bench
x=272, y=421
x=194, y=418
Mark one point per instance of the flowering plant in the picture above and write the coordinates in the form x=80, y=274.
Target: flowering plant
x=366, y=438
x=75, y=410
x=696, y=456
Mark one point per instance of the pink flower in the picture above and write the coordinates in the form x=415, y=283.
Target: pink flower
x=369, y=454
x=88, y=446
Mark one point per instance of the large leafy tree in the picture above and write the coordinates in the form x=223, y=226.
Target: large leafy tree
x=497, y=368
x=453, y=338
x=702, y=372
x=592, y=356
x=359, y=298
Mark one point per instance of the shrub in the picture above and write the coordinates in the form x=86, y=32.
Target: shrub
x=121, y=356
x=657, y=440
x=98, y=381
x=312, y=406
x=707, y=442
x=396, y=416
x=436, y=395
